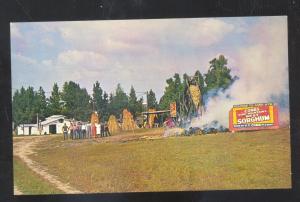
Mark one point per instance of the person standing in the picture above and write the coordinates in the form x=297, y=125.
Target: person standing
x=106, y=129
x=71, y=129
x=79, y=130
x=65, y=131
x=83, y=128
x=88, y=131
x=156, y=121
x=94, y=130
x=102, y=129
x=76, y=131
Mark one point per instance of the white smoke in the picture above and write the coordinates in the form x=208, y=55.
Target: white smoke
x=262, y=69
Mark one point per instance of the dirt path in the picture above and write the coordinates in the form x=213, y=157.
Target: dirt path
x=23, y=148
x=17, y=191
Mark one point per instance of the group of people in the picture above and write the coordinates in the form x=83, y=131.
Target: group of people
x=78, y=130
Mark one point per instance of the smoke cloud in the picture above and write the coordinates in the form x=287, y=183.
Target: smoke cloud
x=262, y=69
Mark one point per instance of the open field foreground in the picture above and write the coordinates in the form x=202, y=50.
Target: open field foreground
x=30, y=182
x=144, y=161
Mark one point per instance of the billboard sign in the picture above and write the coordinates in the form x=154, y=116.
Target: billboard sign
x=253, y=117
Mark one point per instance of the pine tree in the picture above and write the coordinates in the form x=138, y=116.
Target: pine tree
x=76, y=101
x=25, y=106
x=41, y=104
x=98, y=100
x=132, y=102
x=151, y=100
x=118, y=102
x=55, y=104
x=218, y=75
x=106, y=107
x=172, y=92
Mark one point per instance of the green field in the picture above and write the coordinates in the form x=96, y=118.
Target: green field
x=244, y=160
x=29, y=182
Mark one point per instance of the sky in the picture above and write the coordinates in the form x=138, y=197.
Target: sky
x=144, y=53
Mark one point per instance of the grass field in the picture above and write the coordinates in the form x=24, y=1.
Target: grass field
x=245, y=160
x=29, y=182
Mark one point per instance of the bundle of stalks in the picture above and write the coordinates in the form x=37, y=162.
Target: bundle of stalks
x=94, y=118
x=128, y=122
x=195, y=94
x=151, y=118
x=113, y=125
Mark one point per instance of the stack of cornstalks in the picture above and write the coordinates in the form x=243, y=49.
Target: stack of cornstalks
x=113, y=125
x=95, y=118
x=128, y=122
x=195, y=94
x=151, y=118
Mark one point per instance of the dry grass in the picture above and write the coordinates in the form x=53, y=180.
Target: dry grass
x=245, y=160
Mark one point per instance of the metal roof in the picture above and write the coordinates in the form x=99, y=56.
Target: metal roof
x=28, y=125
x=52, y=118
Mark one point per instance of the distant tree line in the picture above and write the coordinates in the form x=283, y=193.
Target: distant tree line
x=75, y=102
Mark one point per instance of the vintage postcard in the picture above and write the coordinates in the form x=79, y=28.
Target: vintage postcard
x=185, y=104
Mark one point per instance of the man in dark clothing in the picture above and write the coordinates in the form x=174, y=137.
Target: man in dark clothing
x=102, y=129
x=83, y=129
x=76, y=131
x=88, y=131
x=106, y=129
x=65, y=131
x=156, y=122
x=79, y=130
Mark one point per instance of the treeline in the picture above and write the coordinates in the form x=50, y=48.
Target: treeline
x=75, y=102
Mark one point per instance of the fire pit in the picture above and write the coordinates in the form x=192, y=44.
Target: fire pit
x=193, y=131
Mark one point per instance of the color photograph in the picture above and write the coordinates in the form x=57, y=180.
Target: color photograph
x=150, y=105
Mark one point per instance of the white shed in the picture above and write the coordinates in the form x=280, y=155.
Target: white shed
x=52, y=125
x=27, y=129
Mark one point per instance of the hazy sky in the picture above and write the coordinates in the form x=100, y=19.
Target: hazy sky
x=144, y=53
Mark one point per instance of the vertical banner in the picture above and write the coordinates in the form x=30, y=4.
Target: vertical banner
x=253, y=117
x=173, y=111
